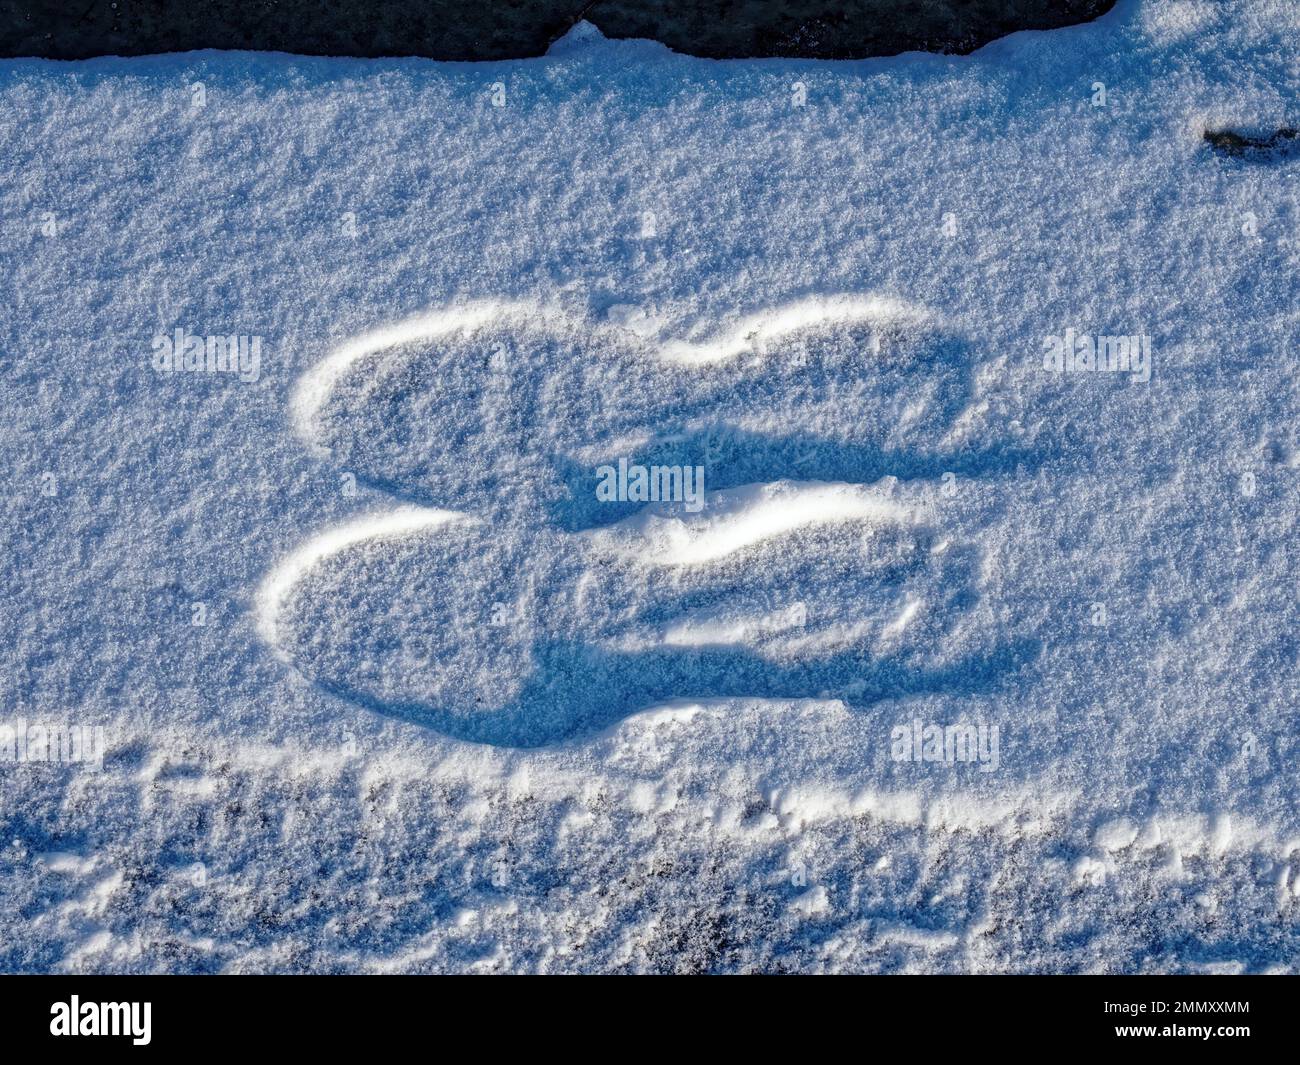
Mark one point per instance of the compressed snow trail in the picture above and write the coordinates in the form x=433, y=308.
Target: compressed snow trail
x=854, y=289
x=464, y=627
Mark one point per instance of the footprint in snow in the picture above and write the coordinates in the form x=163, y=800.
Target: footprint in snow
x=511, y=601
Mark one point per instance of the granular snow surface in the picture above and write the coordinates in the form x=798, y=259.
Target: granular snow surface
x=937, y=649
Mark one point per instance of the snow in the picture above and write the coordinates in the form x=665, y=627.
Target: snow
x=349, y=733
x=741, y=518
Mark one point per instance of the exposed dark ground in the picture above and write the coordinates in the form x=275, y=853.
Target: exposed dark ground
x=511, y=29
x=1263, y=148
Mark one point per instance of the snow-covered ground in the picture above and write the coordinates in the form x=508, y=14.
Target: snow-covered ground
x=388, y=683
